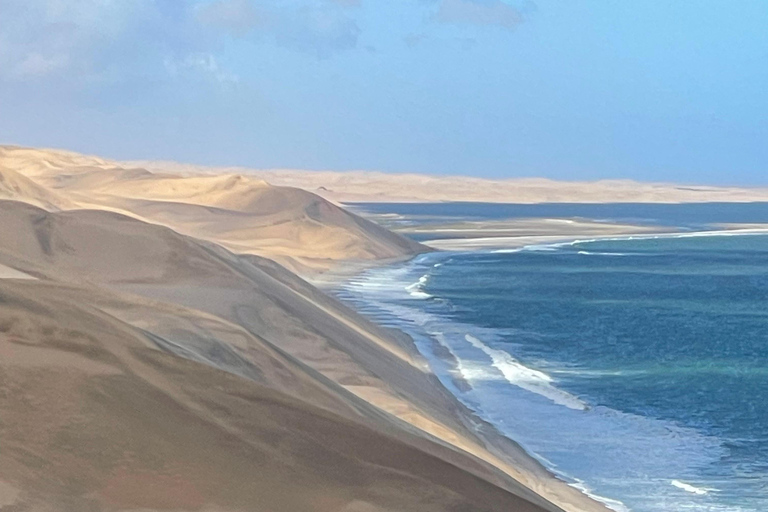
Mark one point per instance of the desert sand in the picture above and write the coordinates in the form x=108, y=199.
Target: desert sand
x=296, y=228
x=368, y=186
x=159, y=351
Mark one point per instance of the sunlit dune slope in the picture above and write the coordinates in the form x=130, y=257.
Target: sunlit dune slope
x=300, y=229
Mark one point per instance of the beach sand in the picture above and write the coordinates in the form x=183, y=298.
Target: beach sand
x=511, y=235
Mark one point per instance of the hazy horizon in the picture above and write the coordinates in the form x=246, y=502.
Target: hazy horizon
x=579, y=91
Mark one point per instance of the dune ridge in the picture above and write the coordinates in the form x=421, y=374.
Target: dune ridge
x=145, y=368
x=372, y=186
x=299, y=229
x=16, y=186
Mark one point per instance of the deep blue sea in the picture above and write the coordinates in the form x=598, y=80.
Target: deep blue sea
x=637, y=369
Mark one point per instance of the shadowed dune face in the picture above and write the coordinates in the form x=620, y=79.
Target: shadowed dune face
x=15, y=186
x=300, y=229
x=102, y=246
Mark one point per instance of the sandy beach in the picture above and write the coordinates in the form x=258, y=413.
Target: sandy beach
x=542, y=232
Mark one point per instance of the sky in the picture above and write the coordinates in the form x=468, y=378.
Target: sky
x=652, y=90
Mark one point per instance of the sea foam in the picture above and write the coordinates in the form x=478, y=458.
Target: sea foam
x=690, y=488
x=529, y=379
x=657, y=445
x=416, y=290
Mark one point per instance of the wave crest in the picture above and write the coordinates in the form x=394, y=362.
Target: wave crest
x=529, y=379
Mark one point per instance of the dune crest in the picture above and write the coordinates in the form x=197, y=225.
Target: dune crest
x=372, y=186
x=245, y=214
x=18, y=187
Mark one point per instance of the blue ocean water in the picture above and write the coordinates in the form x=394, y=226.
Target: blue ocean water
x=699, y=215
x=635, y=368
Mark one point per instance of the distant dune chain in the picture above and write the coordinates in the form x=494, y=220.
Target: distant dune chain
x=367, y=186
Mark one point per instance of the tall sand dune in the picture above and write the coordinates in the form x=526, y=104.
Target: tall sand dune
x=159, y=352
x=97, y=418
x=166, y=294
x=301, y=230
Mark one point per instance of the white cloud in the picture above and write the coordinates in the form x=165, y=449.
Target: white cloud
x=311, y=27
x=481, y=12
x=47, y=37
x=38, y=65
x=110, y=41
x=321, y=31
x=236, y=16
x=200, y=65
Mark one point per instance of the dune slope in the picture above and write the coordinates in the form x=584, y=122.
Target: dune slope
x=15, y=186
x=297, y=228
x=158, y=353
x=253, y=319
x=96, y=418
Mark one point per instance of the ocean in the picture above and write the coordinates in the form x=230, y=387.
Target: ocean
x=635, y=368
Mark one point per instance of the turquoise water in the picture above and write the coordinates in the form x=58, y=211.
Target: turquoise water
x=637, y=369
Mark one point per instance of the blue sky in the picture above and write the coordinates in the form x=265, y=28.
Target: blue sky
x=673, y=90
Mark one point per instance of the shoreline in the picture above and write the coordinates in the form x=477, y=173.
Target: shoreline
x=511, y=452
x=212, y=266
x=485, y=428
x=213, y=273
x=520, y=243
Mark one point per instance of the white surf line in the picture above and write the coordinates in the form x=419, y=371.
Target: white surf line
x=529, y=379
x=470, y=372
x=637, y=236
x=672, y=235
x=497, y=241
x=416, y=290
x=690, y=488
x=12, y=273
x=615, y=505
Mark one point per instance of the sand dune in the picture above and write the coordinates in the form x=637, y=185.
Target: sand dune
x=247, y=215
x=15, y=186
x=154, y=355
x=40, y=162
x=95, y=418
x=311, y=233
x=369, y=186
x=251, y=318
